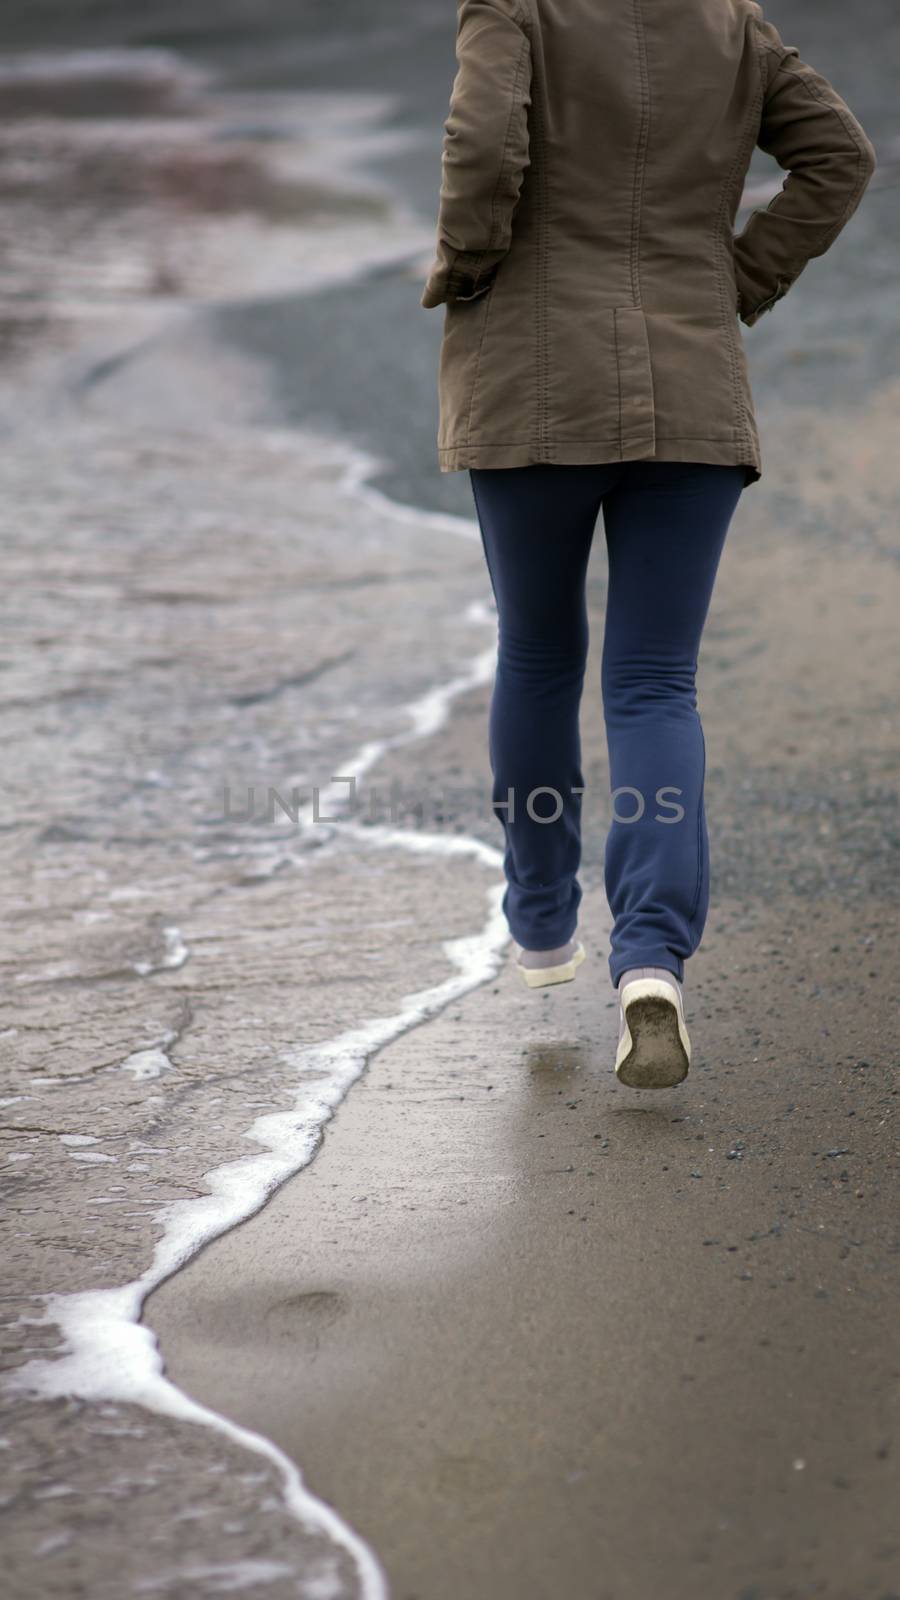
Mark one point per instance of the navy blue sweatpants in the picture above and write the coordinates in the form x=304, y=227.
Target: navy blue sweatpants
x=665, y=525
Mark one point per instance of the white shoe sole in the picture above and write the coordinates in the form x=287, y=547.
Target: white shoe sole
x=540, y=977
x=654, y=1051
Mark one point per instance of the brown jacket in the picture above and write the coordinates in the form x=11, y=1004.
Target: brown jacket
x=593, y=162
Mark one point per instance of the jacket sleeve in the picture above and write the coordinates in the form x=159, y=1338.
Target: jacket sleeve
x=829, y=159
x=485, y=149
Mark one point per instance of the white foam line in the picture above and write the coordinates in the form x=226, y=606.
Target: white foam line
x=362, y=466
x=430, y=711
x=113, y=1357
x=427, y=713
x=110, y=1354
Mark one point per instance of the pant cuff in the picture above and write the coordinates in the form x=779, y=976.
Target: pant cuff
x=645, y=958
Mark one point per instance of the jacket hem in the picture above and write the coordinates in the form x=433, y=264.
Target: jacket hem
x=600, y=452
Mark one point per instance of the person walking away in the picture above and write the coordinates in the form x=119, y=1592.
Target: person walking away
x=591, y=361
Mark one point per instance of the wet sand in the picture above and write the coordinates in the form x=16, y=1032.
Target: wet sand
x=529, y=1333
x=535, y=1337
x=536, y=1334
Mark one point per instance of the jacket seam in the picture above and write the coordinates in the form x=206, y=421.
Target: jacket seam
x=621, y=434
x=606, y=438
x=520, y=15
x=494, y=235
x=643, y=139
x=771, y=49
x=477, y=371
x=542, y=272
x=515, y=13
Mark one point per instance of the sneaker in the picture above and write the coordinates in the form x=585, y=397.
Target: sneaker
x=654, y=1048
x=542, y=967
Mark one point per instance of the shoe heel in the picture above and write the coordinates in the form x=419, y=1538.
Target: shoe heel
x=543, y=977
x=654, y=1051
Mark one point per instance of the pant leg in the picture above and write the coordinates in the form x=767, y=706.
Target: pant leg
x=537, y=525
x=665, y=524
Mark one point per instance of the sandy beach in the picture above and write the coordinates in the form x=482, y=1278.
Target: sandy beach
x=531, y=1330
x=339, y=1266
